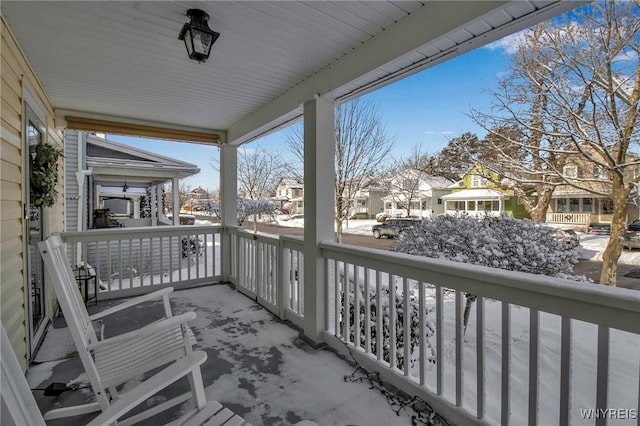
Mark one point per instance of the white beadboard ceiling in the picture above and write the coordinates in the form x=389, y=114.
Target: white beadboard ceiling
x=123, y=60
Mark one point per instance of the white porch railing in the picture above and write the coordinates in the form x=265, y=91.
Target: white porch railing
x=130, y=261
x=516, y=363
x=269, y=270
x=569, y=218
x=522, y=359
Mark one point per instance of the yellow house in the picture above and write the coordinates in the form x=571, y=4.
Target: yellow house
x=476, y=195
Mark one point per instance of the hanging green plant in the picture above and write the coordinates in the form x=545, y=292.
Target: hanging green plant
x=44, y=175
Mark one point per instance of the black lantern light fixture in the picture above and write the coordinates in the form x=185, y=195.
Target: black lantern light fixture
x=198, y=37
x=125, y=186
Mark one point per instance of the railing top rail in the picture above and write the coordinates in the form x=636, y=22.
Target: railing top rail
x=293, y=241
x=108, y=234
x=610, y=306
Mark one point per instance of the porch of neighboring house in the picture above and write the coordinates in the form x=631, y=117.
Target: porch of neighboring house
x=476, y=202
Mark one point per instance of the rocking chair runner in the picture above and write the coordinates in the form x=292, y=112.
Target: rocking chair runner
x=111, y=362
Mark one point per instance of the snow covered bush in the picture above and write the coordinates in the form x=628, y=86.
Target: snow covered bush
x=413, y=312
x=498, y=242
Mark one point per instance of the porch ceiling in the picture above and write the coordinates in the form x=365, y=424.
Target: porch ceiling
x=123, y=61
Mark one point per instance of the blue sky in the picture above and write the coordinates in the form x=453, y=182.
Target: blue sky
x=426, y=109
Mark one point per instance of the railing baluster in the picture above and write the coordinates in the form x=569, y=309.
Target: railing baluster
x=602, y=381
x=109, y=266
x=179, y=257
x=337, y=303
x=506, y=363
x=422, y=339
x=379, y=319
x=459, y=328
x=367, y=312
x=346, y=304
x=534, y=340
x=300, y=283
x=565, y=370
x=479, y=357
x=392, y=321
x=356, y=306
x=406, y=329
x=439, y=340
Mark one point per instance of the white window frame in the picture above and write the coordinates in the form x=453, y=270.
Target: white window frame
x=478, y=181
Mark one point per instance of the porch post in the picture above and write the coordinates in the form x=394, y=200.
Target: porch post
x=175, y=191
x=228, y=202
x=319, y=201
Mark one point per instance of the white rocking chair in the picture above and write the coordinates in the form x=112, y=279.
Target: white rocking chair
x=111, y=362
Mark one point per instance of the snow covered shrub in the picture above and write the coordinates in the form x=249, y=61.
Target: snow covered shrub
x=413, y=312
x=498, y=242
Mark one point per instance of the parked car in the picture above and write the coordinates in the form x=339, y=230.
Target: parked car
x=632, y=236
x=392, y=227
x=568, y=236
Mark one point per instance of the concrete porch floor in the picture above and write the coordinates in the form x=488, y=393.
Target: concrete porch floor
x=257, y=366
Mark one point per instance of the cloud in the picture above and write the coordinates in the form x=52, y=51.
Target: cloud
x=509, y=44
x=446, y=132
x=627, y=56
x=429, y=132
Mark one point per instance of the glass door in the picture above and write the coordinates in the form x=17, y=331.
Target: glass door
x=36, y=301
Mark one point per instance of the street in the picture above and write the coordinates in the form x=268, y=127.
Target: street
x=588, y=268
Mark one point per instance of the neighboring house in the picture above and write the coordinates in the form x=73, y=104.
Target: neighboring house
x=106, y=178
x=290, y=196
x=196, y=199
x=477, y=196
x=580, y=207
x=415, y=193
x=368, y=201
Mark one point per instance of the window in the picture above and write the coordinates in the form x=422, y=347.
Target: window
x=587, y=205
x=600, y=172
x=607, y=206
x=439, y=201
x=491, y=205
x=478, y=181
x=455, y=205
x=570, y=171
x=574, y=205
x=561, y=205
x=471, y=205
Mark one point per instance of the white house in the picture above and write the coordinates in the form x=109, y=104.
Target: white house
x=102, y=175
x=415, y=193
x=290, y=195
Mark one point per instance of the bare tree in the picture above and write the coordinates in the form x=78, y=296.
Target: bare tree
x=259, y=171
x=362, y=147
x=582, y=106
x=405, y=179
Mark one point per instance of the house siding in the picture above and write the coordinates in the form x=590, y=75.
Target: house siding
x=16, y=73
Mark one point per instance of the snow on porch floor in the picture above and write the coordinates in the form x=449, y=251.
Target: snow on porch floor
x=257, y=366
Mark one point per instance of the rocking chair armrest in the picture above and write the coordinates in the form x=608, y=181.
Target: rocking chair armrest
x=164, y=324
x=132, y=302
